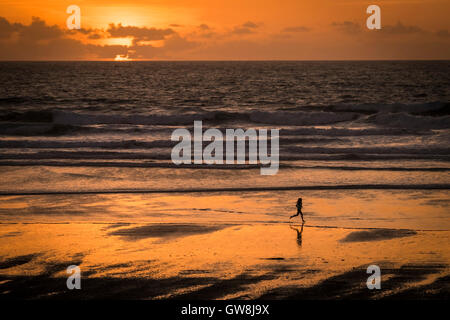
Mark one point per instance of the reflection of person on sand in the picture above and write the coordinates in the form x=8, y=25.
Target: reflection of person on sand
x=299, y=234
x=299, y=209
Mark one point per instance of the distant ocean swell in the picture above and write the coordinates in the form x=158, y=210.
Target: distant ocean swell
x=301, y=116
x=310, y=133
x=237, y=189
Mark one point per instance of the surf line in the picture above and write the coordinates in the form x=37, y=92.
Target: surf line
x=213, y=152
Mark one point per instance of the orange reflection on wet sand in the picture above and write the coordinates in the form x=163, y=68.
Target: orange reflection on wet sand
x=234, y=245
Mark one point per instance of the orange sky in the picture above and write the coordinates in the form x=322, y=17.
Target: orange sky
x=232, y=29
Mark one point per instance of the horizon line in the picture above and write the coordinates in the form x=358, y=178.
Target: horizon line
x=215, y=60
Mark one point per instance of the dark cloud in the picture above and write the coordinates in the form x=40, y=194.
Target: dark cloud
x=347, y=27
x=7, y=29
x=173, y=44
x=350, y=27
x=58, y=49
x=36, y=31
x=39, y=30
x=240, y=30
x=204, y=27
x=443, y=34
x=245, y=28
x=205, y=31
x=296, y=29
x=400, y=28
x=95, y=36
x=82, y=30
x=138, y=33
x=250, y=25
x=209, y=35
x=143, y=52
x=39, y=41
x=177, y=43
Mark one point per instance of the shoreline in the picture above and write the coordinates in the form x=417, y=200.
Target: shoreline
x=215, y=190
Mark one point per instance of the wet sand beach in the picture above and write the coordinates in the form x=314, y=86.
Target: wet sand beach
x=210, y=250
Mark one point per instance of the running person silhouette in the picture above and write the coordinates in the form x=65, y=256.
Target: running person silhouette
x=299, y=206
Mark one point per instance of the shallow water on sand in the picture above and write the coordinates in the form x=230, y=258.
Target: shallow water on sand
x=395, y=209
x=84, y=179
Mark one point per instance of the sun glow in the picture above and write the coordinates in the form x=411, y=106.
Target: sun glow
x=122, y=57
x=118, y=41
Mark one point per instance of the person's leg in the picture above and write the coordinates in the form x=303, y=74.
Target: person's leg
x=293, y=216
x=300, y=211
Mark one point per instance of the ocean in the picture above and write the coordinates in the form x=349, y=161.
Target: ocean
x=386, y=120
